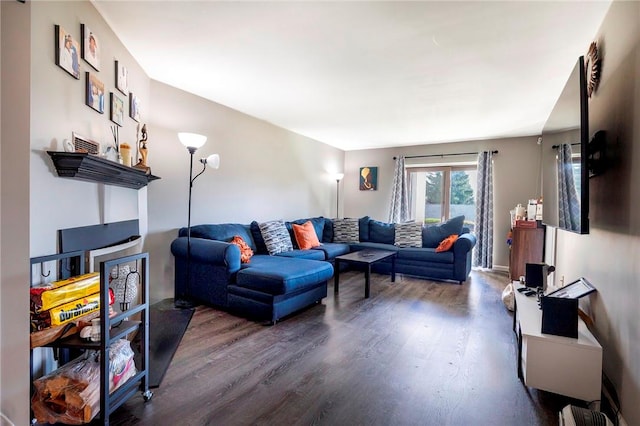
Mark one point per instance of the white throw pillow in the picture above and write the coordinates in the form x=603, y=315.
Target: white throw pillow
x=408, y=234
x=346, y=231
x=276, y=237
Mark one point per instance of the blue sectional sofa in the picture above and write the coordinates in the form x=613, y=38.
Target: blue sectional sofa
x=273, y=286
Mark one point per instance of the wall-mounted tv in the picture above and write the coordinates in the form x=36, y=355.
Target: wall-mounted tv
x=565, y=176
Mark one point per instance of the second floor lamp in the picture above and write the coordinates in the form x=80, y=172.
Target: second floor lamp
x=338, y=177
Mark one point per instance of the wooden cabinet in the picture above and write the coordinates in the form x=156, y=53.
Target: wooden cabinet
x=527, y=246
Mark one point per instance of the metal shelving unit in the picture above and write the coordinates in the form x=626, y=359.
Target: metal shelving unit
x=113, y=328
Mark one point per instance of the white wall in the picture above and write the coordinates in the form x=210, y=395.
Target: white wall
x=58, y=109
x=14, y=212
x=608, y=255
x=265, y=173
x=516, y=179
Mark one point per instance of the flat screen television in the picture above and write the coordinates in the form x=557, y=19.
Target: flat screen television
x=565, y=184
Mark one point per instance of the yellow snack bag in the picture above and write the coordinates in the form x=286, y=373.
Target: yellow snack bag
x=64, y=291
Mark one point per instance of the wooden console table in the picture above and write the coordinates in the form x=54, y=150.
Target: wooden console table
x=571, y=367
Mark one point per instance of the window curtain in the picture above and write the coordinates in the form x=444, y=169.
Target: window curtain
x=483, y=252
x=568, y=201
x=399, y=208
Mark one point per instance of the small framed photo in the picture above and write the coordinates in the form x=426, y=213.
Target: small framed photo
x=134, y=107
x=574, y=290
x=95, y=92
x=117, y=109
x=67, y=52
x=90, y=47
x=368, y=178
x=122, y=78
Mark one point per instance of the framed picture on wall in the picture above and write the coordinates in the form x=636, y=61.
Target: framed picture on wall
x=368, y=178
x=90, y=47
x=134, y=107
x=94, y=92
x=122, y=78
x=117, y=109
x=67, y=52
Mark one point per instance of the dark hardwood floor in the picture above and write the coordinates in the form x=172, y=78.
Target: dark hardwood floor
x=418, y=352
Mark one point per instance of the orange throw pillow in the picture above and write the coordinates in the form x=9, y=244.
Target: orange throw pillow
x=245, y=250
x=447, y=243
x=305, y=235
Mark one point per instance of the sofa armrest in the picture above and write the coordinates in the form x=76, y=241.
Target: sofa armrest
x=208, y=252
x=464, y=244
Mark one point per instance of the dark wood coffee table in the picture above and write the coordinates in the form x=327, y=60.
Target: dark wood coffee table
x=364, y=258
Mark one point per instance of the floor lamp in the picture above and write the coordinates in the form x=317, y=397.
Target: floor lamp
x=339, y=177
x=192, y=142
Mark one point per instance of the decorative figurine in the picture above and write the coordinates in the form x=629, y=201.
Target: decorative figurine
x=142, y=149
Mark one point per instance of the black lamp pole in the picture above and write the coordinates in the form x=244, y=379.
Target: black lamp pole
x=338, y=177
x=337, y=195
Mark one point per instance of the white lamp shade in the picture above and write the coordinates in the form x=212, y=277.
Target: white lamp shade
x=339, y=176
x=213, y=161
x=192, y=140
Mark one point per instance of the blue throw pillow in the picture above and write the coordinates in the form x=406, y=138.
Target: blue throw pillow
x=261, y=247
x=434, y=234
x=364, y=228
x=327, y=233
x=381, y=232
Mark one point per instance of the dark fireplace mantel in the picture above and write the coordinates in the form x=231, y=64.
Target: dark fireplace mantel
x=89, y=167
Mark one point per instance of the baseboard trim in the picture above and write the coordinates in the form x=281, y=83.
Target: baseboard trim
x=620, y=421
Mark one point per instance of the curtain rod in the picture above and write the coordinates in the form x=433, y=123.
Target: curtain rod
x=558, y=146
x=443, y=155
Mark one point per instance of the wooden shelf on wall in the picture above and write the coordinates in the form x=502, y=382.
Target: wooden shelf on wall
x=89, y=167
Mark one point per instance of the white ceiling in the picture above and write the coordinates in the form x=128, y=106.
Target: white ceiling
x=364, y=74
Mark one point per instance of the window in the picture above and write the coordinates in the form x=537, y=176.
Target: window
x=437, y=194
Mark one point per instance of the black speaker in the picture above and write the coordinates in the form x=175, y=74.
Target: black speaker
x=560, y=316
x=535, y=275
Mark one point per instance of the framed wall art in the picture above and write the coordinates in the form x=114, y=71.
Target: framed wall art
x=368, y=178
x=134, y=107
x=95, y=92
x=117, y=109
x=90, y=47
x=122, y=78
x=67, y=52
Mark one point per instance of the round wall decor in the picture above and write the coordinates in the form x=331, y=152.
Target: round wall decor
x=592, y=68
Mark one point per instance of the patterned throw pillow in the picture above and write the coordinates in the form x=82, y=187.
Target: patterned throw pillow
x=306, y=236
x=408, y=234
x=345, y=231
x=245, y=250
x=447, y=243
x=276, y=237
